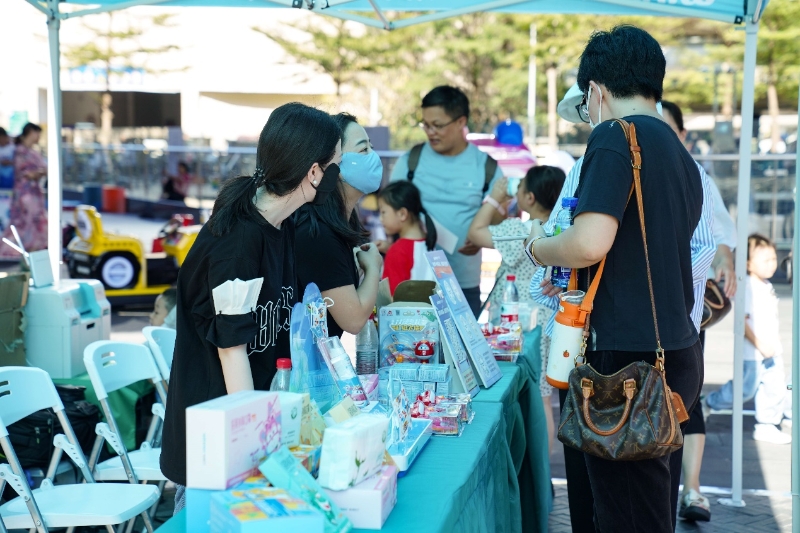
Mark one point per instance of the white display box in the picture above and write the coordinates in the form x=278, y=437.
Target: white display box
x=369, y=503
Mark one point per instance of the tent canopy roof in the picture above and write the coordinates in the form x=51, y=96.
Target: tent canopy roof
x=383, y=13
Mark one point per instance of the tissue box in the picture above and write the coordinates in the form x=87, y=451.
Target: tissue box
x=342, y=411
x=370, y=384
x=258, y=510
x=285, y=472
x=198, y=503
x=433, y=372
x=291, y=417
x=227, y=438
x=352, y=451
x=369, y=503
x=312, y=425
x=405, y=371
x=308, y=457
x=445, y=388
x=408, y=333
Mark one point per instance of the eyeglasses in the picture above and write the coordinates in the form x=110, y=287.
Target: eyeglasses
x=437, y=128
x=583, y=110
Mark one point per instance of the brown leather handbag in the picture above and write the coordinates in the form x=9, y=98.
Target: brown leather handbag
x=632, y=414
x=716, y=305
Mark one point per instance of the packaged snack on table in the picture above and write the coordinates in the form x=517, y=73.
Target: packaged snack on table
x=433, y=372
x=342, y=369
x=505, y=341
x=227, y=438
x=409, y=333
x=291, y=417
x=257, y=510
x=446, y=420
x=308, y=457
x=464, y=400
x=352, y=451
x=286, y=472
x=198, y=502
x=369, y=503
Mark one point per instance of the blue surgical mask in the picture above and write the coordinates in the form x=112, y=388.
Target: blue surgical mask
x=362, y=171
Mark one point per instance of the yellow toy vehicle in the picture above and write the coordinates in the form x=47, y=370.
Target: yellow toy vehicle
x=128, y=274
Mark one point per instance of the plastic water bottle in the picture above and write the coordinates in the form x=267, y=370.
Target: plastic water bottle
x=509, y=307
x=283, y=376
x=560, y=275
x=367, y=349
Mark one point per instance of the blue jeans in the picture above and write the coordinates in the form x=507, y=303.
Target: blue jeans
x=766, y=385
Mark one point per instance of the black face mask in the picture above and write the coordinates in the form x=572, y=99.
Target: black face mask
x=330, y=178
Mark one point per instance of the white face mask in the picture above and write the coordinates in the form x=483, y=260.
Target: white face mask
x=599, y=109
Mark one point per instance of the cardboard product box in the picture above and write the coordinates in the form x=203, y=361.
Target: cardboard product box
x=291, y=417
x=13, y=289
x=405, y=371
x=198, y=503
x=264, y=509
x=228, y=437
x=408, y=333
x=445, y=388
x=12, y=338
x=308, y=457
x=433, y=372
x=429, y=385
x=369, y=503
x=312, y=425
x=344, y=410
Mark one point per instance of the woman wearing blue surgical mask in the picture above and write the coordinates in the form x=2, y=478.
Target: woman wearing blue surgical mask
x=328, y=234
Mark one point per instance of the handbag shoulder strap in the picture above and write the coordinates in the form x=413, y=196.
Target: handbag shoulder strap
x=636, y=163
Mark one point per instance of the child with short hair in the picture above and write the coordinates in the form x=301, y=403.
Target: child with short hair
x=164, y=309
x=764, y=378
x=401, y=211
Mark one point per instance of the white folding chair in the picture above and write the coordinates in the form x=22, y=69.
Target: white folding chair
x=111, y=366
x=23, y=391
x=161, y=342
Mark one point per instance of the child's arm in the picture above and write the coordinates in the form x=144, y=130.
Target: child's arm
x=479, y=233
x=766, y=349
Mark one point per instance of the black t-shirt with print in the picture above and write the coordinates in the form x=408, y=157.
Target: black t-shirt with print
x=324, y=259
x=622, y=318
x=251, y=250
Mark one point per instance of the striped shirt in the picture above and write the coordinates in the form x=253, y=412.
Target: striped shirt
x=702, y=244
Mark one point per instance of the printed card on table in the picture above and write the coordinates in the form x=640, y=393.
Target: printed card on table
x=480, y=353
x=455, y=349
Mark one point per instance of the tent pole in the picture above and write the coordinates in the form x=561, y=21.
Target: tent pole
x=54, y=142
x=743, y=215
x=796, y=341
x=532, y=90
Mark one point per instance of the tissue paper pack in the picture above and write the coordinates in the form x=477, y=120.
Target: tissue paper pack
x=312, y=425
x=308, y=457
x=198, y=503
x=369, y=503
x=286, y=472
x=227, y=438
x=352, y=451
x=265, y=509
x=291, y=417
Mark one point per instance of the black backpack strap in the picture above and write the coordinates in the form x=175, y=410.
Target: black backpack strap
x=413, y=160
x=490, y=168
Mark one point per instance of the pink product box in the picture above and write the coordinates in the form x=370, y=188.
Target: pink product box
x=369, y=503
x=228, y=437
x=370, y=384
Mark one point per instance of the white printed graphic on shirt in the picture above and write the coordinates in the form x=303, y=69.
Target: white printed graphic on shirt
x=272, y=318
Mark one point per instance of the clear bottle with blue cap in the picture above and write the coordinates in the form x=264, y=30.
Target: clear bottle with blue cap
x=559, y=276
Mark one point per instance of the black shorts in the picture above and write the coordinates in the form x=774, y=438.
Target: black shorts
x=696, y=424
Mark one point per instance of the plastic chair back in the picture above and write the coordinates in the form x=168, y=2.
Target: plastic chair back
x=23, y=391
x=161, y=342
x=113, y=365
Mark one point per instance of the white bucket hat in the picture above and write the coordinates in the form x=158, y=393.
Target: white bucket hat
x=568, y=106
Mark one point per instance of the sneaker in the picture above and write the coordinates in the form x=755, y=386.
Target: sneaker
x=705, y=408
x=770, y=433
x=694, y=507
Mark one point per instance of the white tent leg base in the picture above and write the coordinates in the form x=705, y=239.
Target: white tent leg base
x=730, y=502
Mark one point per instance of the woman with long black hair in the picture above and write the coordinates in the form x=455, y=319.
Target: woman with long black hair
x=237, y=286
x=327, y=235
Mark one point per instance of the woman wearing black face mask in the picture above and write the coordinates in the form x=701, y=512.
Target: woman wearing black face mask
x=237, y=286
x=327, y=235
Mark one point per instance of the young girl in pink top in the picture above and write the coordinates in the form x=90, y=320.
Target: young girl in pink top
x=401, y=209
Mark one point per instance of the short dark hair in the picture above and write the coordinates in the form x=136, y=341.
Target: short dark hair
x=627, y=60
x=404, y=194
x=675, y=112
x=3, y=132
x=756, y=241
x=170, y=298
x=452, y=99
x=545, y=182
x=26, y=130
x=183, y=164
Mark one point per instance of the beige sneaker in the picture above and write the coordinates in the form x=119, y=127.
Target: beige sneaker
x=694, y=507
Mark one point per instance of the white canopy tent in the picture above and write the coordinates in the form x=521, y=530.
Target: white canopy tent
x=378, y=13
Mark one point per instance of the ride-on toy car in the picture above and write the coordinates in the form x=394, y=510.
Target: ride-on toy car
x=128, y=274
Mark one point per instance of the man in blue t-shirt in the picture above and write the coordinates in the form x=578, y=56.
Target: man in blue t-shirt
x=450, y=175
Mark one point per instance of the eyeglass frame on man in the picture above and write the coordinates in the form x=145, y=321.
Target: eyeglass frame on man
x=439, y=128
x=583, y=110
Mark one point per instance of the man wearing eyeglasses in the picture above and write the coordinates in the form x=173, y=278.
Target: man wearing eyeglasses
x=453, y=176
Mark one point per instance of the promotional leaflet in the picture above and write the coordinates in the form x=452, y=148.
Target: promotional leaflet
x=455, y=353
x=480, y=353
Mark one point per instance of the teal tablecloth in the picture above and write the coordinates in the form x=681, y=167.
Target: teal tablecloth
x=526, y=431
x=458, y=485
